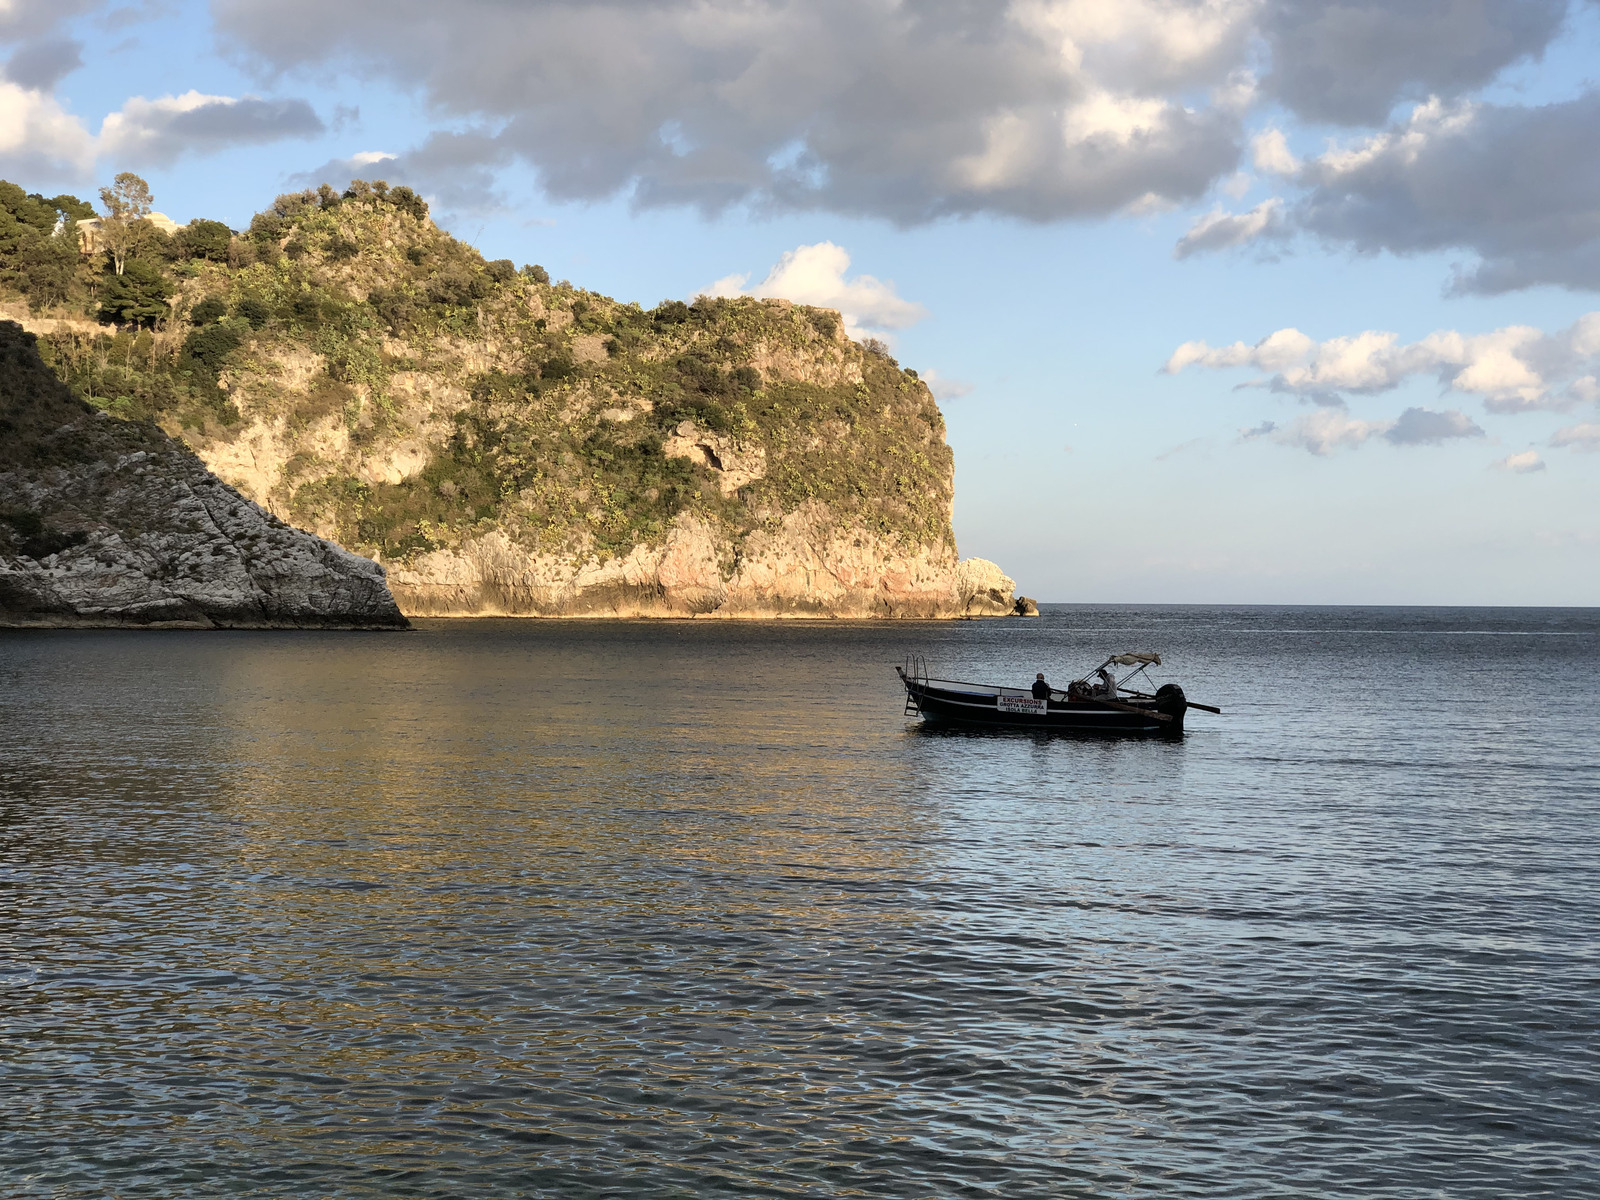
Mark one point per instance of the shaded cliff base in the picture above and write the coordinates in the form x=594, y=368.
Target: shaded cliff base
x=110, y=523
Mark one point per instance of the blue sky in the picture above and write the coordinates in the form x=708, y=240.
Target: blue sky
x=1050, y=198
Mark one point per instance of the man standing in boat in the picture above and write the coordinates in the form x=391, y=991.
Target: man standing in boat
x=1041, y=689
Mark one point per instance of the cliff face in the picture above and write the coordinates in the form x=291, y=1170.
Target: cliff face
x=105, y=522
x=508, y=445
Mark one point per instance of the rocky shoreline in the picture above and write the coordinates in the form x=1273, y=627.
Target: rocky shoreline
x=111, y=524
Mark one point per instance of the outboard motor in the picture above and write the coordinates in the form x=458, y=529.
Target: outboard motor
x=1171, y=700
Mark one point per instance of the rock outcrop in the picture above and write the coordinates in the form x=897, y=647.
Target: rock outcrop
x=105, y=522
x=805, y=568
x=505, y=444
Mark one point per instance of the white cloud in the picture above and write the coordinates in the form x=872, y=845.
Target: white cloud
x=159, y=131
x=1351, y=61
x=1578, y=437
x=945, y=388
x=1425, y=427
x=40, y=138
x=44, y=62
x=816, y=275
x=1514, y=369
x=21, y=19
x=1320, y=431
x=1324, y=430
x=1270, y=152
x=1524, y=463
x=1036, y=108
x=1220, y=230
x=1040, y=109
x=1514, y=185
x=451, y=169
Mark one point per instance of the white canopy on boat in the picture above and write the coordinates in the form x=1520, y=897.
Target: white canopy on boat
x=1136, y=660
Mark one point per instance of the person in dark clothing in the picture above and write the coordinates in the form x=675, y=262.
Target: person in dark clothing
x=1041, y=689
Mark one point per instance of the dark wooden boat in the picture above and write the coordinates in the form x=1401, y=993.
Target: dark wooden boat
x=1100, y=702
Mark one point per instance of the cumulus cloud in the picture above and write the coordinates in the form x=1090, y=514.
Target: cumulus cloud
x=1524, y=463
x=1320, y=432
x=1218, y=230
x=1517, y=186
x=1036, y=108
x=945, y=388
x=1269, y=151
x=1326, y=429
x=453, y=170
x=1514, y=369
x=1040, y=109
x=22, y=19
x=159, y=131
x=1578, y=437
x=39, y=138
x=1424, y=427
x=43, y=63
x=1349, y=62
x=816, y=275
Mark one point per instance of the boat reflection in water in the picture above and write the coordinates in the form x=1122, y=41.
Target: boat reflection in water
x=1099, y=702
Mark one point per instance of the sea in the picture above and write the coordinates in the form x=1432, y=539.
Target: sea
x=516, y=908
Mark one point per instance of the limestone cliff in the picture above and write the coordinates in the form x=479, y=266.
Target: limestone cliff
x=504, y=444
x=105, y=522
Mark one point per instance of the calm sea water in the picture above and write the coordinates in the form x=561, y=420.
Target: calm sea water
x=502, y=909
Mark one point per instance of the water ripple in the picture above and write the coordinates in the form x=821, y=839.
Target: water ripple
x=502, y=909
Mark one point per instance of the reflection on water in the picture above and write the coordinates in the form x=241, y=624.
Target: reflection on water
x=500, y=909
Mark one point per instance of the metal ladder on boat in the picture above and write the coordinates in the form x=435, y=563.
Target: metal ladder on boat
x=916, y=670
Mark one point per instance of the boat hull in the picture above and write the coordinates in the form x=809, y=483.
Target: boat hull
x=979, y=709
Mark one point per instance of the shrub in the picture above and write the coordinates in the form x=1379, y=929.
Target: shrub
x=137, y=296
x=670, y=312
x=266, y=227
x=502, y=270
x=408, y=201
x=341, y=247
x=43, y=266
x=536, y=273
x=209, y=310
x=210, y=346
x=393, y=307
x=557, y=367
x=205, y=239
x=37, y=540
x=291, y=204
x=456, y=285
x=253, y=311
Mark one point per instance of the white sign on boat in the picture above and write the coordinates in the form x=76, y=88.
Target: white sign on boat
x=1021, y=704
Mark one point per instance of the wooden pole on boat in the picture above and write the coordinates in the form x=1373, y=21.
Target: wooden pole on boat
x=1143, y=712
x=1191, y=703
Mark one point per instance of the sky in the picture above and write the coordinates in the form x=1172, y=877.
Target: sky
x=1225, y=301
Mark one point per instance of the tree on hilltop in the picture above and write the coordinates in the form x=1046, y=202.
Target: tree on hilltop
x=127, y=200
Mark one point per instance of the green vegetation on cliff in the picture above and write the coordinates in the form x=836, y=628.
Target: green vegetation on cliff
x=375, y=380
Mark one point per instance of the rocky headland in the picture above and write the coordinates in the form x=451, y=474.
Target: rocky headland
x=505, y=444
x=108, y=522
